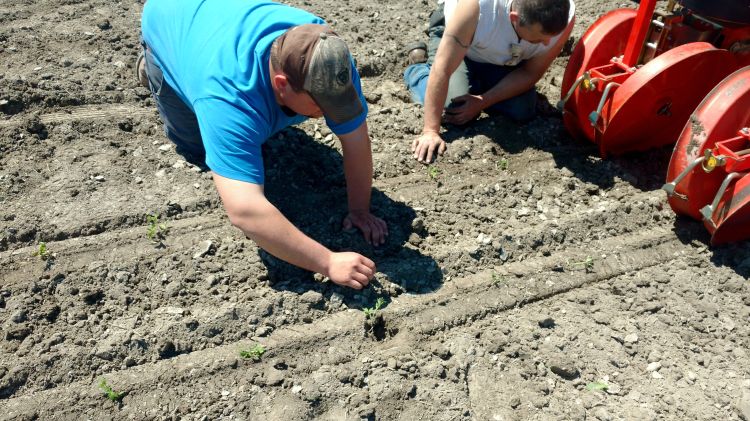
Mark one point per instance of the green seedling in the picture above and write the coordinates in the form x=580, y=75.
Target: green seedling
x=109, y=392
x=433, y=172
x=155, y=231
x=498, y=279
x=253, y=353
x=42, y=251
x=597, y=386
x=587, y=264
x=371, y=311
x=502, y=164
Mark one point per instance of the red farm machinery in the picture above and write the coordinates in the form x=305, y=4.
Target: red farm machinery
x=640, y=79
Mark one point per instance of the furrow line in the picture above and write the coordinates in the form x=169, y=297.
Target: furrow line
x=459, y=303
x=86, y=112
x=121, y=245
x=545, y=284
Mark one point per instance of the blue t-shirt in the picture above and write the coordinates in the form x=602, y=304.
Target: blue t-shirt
x=215, y=53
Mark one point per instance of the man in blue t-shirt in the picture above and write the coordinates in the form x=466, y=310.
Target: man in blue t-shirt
x=228, y=74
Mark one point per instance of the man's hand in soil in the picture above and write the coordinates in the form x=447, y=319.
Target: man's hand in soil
x=350, y=269
x=463, y=109
x=373, y=228
x=428, y=144
x=249, y=210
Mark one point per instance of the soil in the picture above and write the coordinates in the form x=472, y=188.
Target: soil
x=521, y=274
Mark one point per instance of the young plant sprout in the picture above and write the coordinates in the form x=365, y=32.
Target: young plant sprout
x=371, y=311
x=155, y=231
x=111, y=394
x=253, y=353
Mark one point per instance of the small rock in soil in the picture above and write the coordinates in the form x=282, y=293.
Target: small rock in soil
x=204, y=248
x=441, y=351
x=564, y=368
x=275, y=377
x=547, y=323
x=392, y=363
x=19, y=316
x=654, y=366
x=312, y=298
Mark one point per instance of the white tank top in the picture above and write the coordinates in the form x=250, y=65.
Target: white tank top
x=495, y=41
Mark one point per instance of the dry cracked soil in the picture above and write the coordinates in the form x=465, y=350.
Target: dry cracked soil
x=524, y=278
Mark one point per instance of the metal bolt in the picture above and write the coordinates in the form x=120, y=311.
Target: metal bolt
x=745, y=131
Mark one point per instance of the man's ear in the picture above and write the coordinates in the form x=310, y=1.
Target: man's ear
x=280, y=83
x=514, y=18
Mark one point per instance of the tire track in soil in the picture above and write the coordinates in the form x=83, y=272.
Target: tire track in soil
x=529, y=271
x=460, y=303
x=76, y=254
x=542, y=163
x=121, y=243
x=86, y=112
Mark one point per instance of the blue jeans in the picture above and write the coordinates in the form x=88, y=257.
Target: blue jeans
x=180, y=123
x=470, y=77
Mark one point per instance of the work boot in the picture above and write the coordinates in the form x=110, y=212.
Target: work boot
x=140, y=70
x=417, y=52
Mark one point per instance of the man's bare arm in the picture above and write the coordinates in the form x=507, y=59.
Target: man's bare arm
x=249, y=210
x=358, y=172
x=527, y=75
x=451, y=51
x=457, y=38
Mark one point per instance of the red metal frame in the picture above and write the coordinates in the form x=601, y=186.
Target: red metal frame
x=634, y=95
x=730, y=149
x=638, y=33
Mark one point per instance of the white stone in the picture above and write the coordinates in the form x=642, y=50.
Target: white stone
x=654, y=366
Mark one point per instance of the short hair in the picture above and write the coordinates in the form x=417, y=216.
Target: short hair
x=276, y=63
x=552, y=15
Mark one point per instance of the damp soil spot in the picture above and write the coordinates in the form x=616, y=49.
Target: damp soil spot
x=376, y=327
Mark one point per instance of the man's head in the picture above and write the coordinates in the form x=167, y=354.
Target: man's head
x=538, y=21
x=312, y=73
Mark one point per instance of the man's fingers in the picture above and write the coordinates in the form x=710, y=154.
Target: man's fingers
x=421, y=151
x=463, y=98
x=354, y=284
x=366, y=232
x=367, y=271
x=414, y=144
x=430, y=151
x=360, y=279
x=377, y=233
x=367, y=262
x=442, y=148
x=383, y=226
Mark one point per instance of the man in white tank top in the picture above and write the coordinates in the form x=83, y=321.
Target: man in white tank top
x=483, y=55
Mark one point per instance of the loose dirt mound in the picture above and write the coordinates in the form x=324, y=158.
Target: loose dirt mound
x=522, y=273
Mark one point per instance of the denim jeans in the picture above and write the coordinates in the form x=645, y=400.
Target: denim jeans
x=180, y=123
x=470, y=77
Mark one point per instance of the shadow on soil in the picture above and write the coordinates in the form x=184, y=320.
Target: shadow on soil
x=735, y=256
x=644, y=170
x=305, y=181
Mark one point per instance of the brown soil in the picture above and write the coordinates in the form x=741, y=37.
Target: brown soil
x=523, y=271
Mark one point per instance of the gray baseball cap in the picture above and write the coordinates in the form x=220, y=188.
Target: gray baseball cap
x=315, y=59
